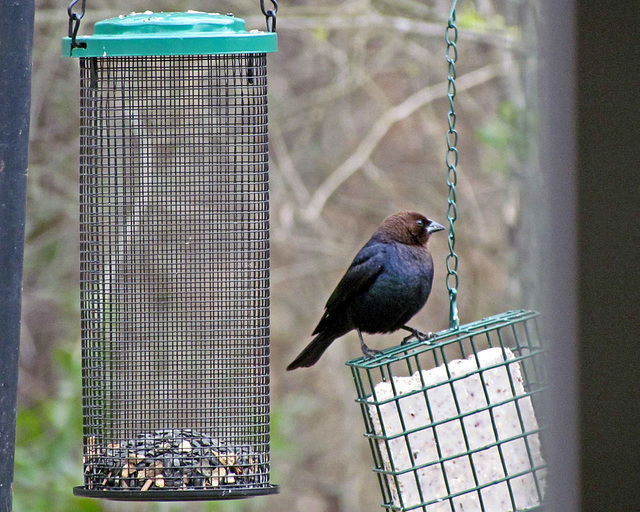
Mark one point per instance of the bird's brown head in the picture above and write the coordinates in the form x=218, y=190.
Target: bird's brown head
x=409, y=228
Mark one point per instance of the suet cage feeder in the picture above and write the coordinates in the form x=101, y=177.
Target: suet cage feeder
x=174, y=244
x=455, y=424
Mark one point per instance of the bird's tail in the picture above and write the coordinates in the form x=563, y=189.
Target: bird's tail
x=312, y=352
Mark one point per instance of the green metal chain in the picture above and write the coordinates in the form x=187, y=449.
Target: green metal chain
x=451, y=37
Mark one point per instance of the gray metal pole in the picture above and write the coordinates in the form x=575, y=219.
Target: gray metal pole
x=559, y=273
x=16, y=42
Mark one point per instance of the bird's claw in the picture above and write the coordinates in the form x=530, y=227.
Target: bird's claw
x=368, y=353
x=418, y=335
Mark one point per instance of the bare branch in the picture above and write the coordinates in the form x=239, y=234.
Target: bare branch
x=402, y=111
x=288, y=169
x=399, y=24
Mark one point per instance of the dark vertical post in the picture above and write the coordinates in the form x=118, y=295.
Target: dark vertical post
x=559, y=259
x=608, y=221
x=16, y=41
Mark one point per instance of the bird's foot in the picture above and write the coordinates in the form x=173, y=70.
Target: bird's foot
x=367, y=352
x=415, y=333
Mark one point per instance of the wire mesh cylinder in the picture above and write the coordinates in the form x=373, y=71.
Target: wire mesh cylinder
x=455, y=425
x=174, y=218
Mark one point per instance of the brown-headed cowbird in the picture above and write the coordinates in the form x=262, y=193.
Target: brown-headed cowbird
x=387, y=283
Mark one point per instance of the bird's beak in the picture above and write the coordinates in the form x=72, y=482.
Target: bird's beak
x=433, y=227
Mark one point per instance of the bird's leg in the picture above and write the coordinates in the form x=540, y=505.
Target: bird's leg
x=415, y=333
x=366, y=351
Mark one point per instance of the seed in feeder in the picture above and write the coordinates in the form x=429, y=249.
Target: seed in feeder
x=185, y=446
x=172, y=458
x=147, y=485
x=156, y=468
x=91, y=445
x=134, y=458
x=206, y=469
x=217, y=476
x=226, y=459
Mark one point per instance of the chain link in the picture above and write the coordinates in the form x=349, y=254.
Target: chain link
x=451, y=36
x=270, y=14
x=74, y=21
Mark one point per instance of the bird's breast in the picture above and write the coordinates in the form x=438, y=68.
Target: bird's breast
x=398, y=293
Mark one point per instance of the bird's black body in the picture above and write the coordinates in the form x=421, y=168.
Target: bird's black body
x=388, y=282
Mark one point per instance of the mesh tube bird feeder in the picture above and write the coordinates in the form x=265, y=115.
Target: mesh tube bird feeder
x=174, y=234
x=454, y=423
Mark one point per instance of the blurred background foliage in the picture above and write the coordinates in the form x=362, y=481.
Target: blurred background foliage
x=358, y=107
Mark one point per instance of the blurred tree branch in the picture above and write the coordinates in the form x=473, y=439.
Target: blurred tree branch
x=391, y=116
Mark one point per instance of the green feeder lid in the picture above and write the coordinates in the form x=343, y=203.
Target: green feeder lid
x=170, y=33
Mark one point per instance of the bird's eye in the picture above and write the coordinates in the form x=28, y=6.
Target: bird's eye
x=420, y=223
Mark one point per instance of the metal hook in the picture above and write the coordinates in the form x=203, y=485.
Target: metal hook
x=74, y=22
x=270, y=14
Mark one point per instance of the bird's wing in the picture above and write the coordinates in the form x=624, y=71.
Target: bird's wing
x=364, y=269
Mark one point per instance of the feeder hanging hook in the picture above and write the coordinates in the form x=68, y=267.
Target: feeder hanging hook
x=270, y=14
x=74, y=21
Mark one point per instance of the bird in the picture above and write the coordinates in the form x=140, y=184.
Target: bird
x=387, y=283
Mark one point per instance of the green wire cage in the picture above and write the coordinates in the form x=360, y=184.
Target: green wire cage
x=455, y=422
